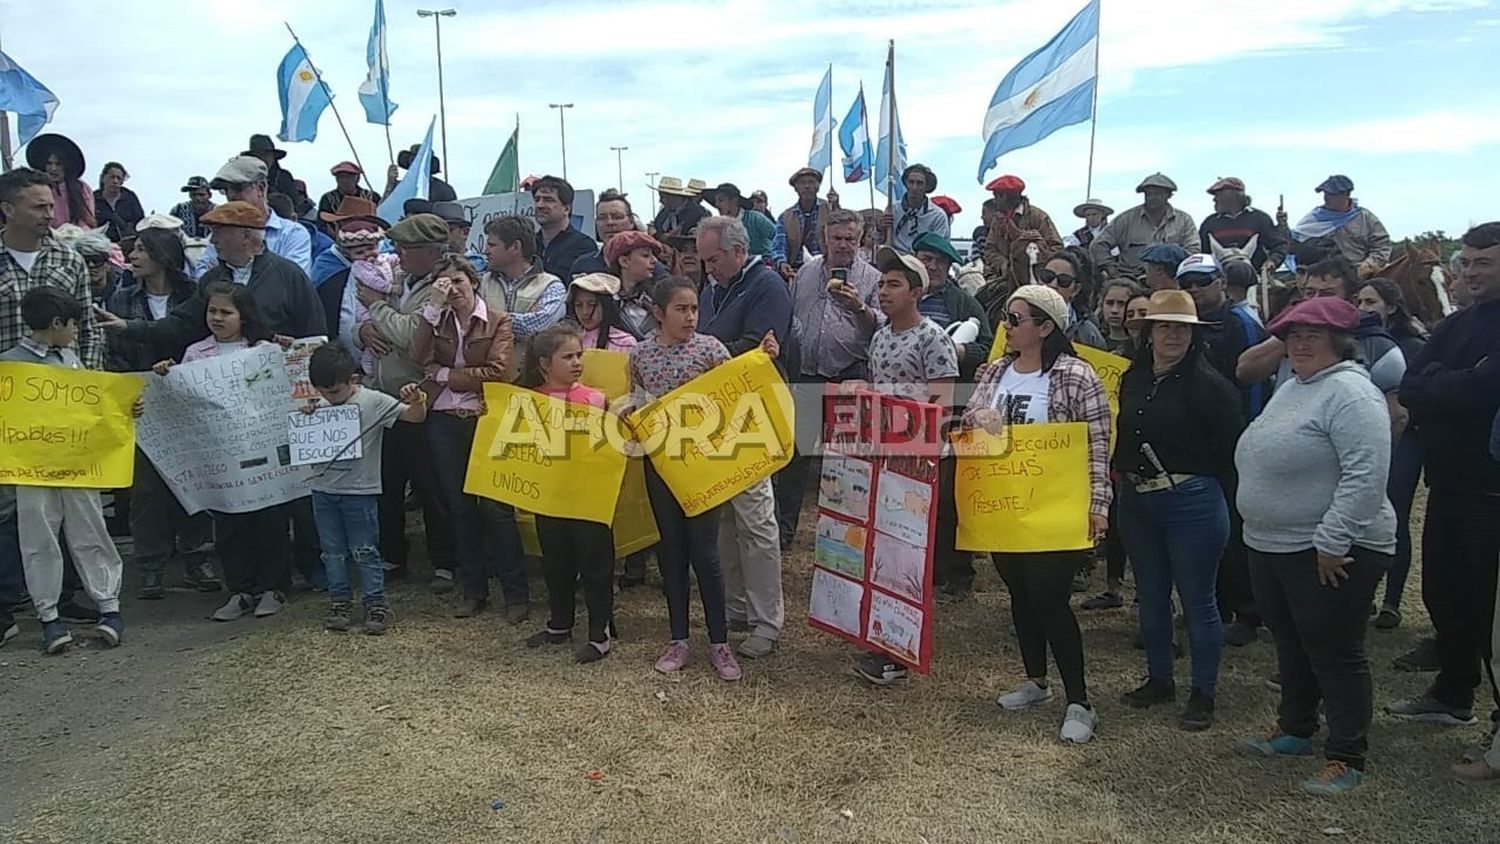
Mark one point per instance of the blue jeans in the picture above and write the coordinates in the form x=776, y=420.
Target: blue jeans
x=484, y=531
x=1176, y=537
x=349, y=526
x=1401, y=488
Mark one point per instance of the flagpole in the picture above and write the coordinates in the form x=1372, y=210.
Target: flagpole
x=332, y=105
x=385, y=97
x=1088, y=189
x=892, y=138
x=864, y=117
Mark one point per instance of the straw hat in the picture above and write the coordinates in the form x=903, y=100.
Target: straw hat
x=1092, y=204
x=696, y=187
x=1172, y=306
x=672, y=186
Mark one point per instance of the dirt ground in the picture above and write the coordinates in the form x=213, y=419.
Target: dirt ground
x=451, y=730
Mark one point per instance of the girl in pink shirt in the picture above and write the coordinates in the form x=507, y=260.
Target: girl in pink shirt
x=572, y=549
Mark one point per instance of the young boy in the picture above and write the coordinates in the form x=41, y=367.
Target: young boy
x=346, y=492
x=52, y=315
x=911, y=357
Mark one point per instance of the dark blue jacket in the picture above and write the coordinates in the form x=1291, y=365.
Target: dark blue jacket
x=1453, y=393
x=755, y=301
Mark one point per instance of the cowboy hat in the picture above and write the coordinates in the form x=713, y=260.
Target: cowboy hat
x=1083, y=208
x=61, y=146
x=404, y=158
x=452, y=213
x=1173, y=306
x=711, y=195
x=672, y=186
x=696, y=187
x=353, y=208
x=263, y=143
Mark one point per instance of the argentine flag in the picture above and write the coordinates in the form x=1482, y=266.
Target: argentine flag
x=821, y=156
x=32, y=103
x=375, y=92
x=303, y=96
x=890, y=158
x=413, y=185
x=854, y=140
x=1049, y=89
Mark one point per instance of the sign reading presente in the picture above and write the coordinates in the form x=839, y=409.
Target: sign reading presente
x=1025, y=489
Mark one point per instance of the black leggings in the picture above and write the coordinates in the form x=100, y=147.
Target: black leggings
x=1040, y=585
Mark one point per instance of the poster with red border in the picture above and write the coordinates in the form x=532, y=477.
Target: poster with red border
x=877, y=514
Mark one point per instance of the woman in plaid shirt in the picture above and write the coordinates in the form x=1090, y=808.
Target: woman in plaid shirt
x=1040, y=379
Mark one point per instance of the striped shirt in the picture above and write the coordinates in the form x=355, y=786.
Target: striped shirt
x=58, y=266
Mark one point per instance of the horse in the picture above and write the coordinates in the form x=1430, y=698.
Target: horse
x=1422, y=275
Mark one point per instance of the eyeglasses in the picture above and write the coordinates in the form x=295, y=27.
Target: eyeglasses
x=1191, y=280
x=1063, y=280
x=1014, y=319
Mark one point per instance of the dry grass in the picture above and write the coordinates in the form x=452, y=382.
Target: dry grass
x=302, y=736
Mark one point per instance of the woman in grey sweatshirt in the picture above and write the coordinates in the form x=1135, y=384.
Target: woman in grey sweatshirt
x=1320, y=533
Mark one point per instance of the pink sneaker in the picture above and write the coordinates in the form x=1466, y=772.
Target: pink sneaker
x=675, y=657
x=723, y=659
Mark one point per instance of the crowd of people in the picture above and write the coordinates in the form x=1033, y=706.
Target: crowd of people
x=1280, y=403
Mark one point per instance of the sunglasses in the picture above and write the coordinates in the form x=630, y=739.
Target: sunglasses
x=1063, y=280
x=1188, y=282
x=1014, y=319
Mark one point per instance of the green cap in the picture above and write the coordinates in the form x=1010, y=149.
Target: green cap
x=934, y=242
x=419, y=230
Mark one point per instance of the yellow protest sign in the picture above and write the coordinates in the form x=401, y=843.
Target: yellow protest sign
x=1025, y=489
x=606, y=371
x=997, y=351
x=1110, y=368
x=544, y=455
x=66, y=427
x=634, y=527
x=713, y=437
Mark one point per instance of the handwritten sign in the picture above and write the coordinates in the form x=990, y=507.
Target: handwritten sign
x=296, y=368
x=544, y=455
x=66, y=427
x=216, y=429
x=720, y=433
x=1026, y=489
x=327, y=434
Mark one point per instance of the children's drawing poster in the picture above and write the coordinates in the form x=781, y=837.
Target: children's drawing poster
x=877, y=514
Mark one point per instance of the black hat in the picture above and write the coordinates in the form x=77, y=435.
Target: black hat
x=452, y=213
x=404, y=159
x=711, y=196
x=195, y=183
x=924, y=170
x=67, y=152
x=263, y=143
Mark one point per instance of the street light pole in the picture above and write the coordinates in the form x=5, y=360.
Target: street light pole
x=619, y=168
x=562, y=129
x=651, y=180
x=437, y=16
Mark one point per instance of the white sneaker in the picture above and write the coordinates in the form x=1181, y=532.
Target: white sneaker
x=236, y=607
x=1029, y=694
x=1078, y=724
x=268, y=604
x=10, y=632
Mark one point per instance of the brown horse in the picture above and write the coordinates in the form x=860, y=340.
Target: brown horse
x=1422, y=275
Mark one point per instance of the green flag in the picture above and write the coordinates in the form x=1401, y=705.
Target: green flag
x=507, y=173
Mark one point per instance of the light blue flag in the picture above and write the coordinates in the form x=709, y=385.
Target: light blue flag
x=821, y=156
x=854, y=140
x=32, y=103
x=414, y=184
x=303, y=96
x=1049, y=89
x=375, y=92
x=887, y=173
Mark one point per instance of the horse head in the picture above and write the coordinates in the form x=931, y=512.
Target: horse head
x=1228, y=254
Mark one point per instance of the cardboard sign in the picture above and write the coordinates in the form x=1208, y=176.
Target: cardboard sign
x=327, y=434
x=606, y=371
x=720, y=433
x=66, y=427
x=1026, y=489
x=296, y=368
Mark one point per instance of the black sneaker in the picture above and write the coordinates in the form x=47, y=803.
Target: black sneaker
x=339, y=617
x=591, y=652
x=200, y=575
x=76, y=613
x=1424, y=657
x=1150, y=693
x=377, y=620
x=879, y=670
x=1199, y=714
x=1239, y=634
x=152, y=588
x=549, y=636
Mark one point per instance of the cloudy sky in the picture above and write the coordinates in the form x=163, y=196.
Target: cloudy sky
x=1398, y=94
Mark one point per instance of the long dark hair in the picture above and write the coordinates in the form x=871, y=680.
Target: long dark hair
x=165, y=249
x=252, y=325
x=75, y=189
x=1083, y=276
x=1401, y=324
x=609, y=316
x=544, y=344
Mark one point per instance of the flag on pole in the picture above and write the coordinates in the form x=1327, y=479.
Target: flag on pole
x=414, y=184
x=888, y=166
x=820, y=158
x=28, y=98
x=506, y=177
x=375, y=92
x=854, y=140
x=303, y=96
x=1049, y=89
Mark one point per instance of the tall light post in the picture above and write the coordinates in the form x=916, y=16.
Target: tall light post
x=651, y=180
x=437, y=16
x=619, y=168
x=562, y=129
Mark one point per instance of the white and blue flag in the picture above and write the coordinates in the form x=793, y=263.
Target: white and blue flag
x=413, y=185
x=303, y=96
x=1049, y=89
x=888, y=169
x=820, y=158
x=32, y=103
x=854, y=140
x=375, y=92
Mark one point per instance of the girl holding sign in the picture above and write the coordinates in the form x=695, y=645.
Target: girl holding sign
x=572, y=549
x=1040, y=379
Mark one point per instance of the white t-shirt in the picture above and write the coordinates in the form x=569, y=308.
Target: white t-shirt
x=25, y=259
x=157, y=305
x=1022, y=398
